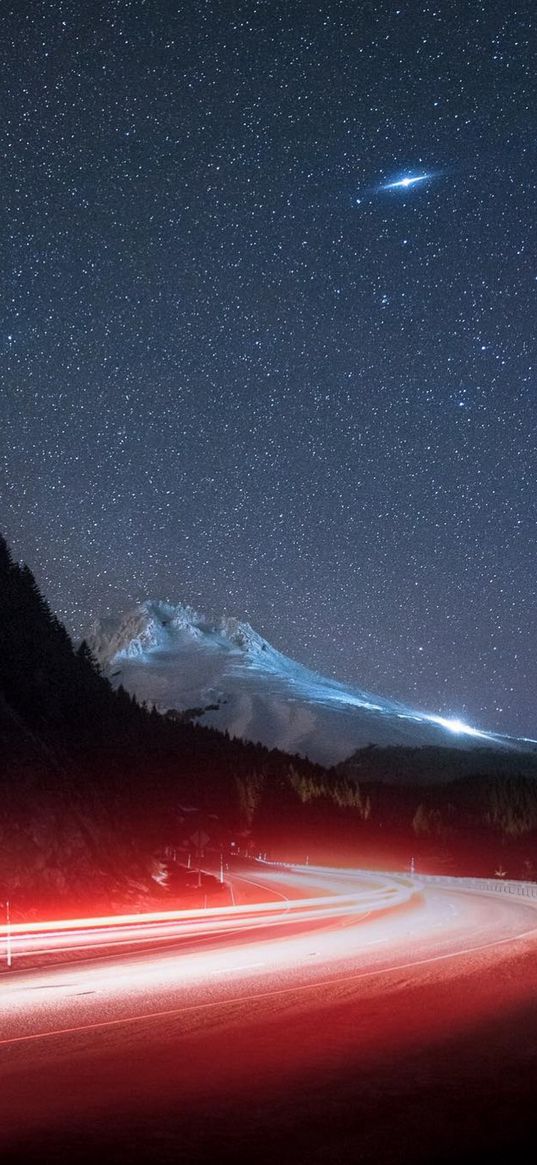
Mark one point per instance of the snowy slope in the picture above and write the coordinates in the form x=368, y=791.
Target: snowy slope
x=172, y=656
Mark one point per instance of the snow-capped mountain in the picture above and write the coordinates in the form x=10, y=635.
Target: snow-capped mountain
x=173, y=657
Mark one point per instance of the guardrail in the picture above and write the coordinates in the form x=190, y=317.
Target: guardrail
x=481, y=885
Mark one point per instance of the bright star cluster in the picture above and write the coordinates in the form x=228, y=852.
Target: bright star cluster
x=233, y=378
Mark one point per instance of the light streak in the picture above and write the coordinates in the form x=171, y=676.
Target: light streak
x=239, y=967
x=406, y=182
x=460, y=728
x=123, y=994
x=80, y=935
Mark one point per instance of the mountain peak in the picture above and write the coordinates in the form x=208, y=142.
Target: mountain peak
x=157, y=625
x=241, y=634
x=171, y=655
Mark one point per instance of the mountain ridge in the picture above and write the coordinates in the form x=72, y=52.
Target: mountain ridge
x=175, y=657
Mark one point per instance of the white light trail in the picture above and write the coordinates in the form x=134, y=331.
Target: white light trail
x=79, y=935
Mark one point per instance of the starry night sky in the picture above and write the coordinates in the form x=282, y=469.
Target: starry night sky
x=239, y=373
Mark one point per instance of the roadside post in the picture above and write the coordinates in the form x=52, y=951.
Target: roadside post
x=9, y=951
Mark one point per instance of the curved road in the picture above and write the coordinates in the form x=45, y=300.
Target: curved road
x=329, y=1015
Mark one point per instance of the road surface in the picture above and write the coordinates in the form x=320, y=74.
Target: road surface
x=343, y=1018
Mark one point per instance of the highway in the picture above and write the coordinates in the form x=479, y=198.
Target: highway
x=326, y=1015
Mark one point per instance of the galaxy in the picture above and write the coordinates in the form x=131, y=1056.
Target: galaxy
x=268, y=339
x=406, y=182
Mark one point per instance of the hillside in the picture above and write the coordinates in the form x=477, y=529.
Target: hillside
x=92, y=783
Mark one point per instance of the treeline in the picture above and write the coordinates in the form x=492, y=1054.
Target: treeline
x=92, y=784
x=400, y=765
x=409, y=806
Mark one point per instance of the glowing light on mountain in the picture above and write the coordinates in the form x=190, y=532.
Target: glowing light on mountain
x=459, y=727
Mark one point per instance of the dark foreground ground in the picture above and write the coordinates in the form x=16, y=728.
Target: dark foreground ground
x=240, y=1089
